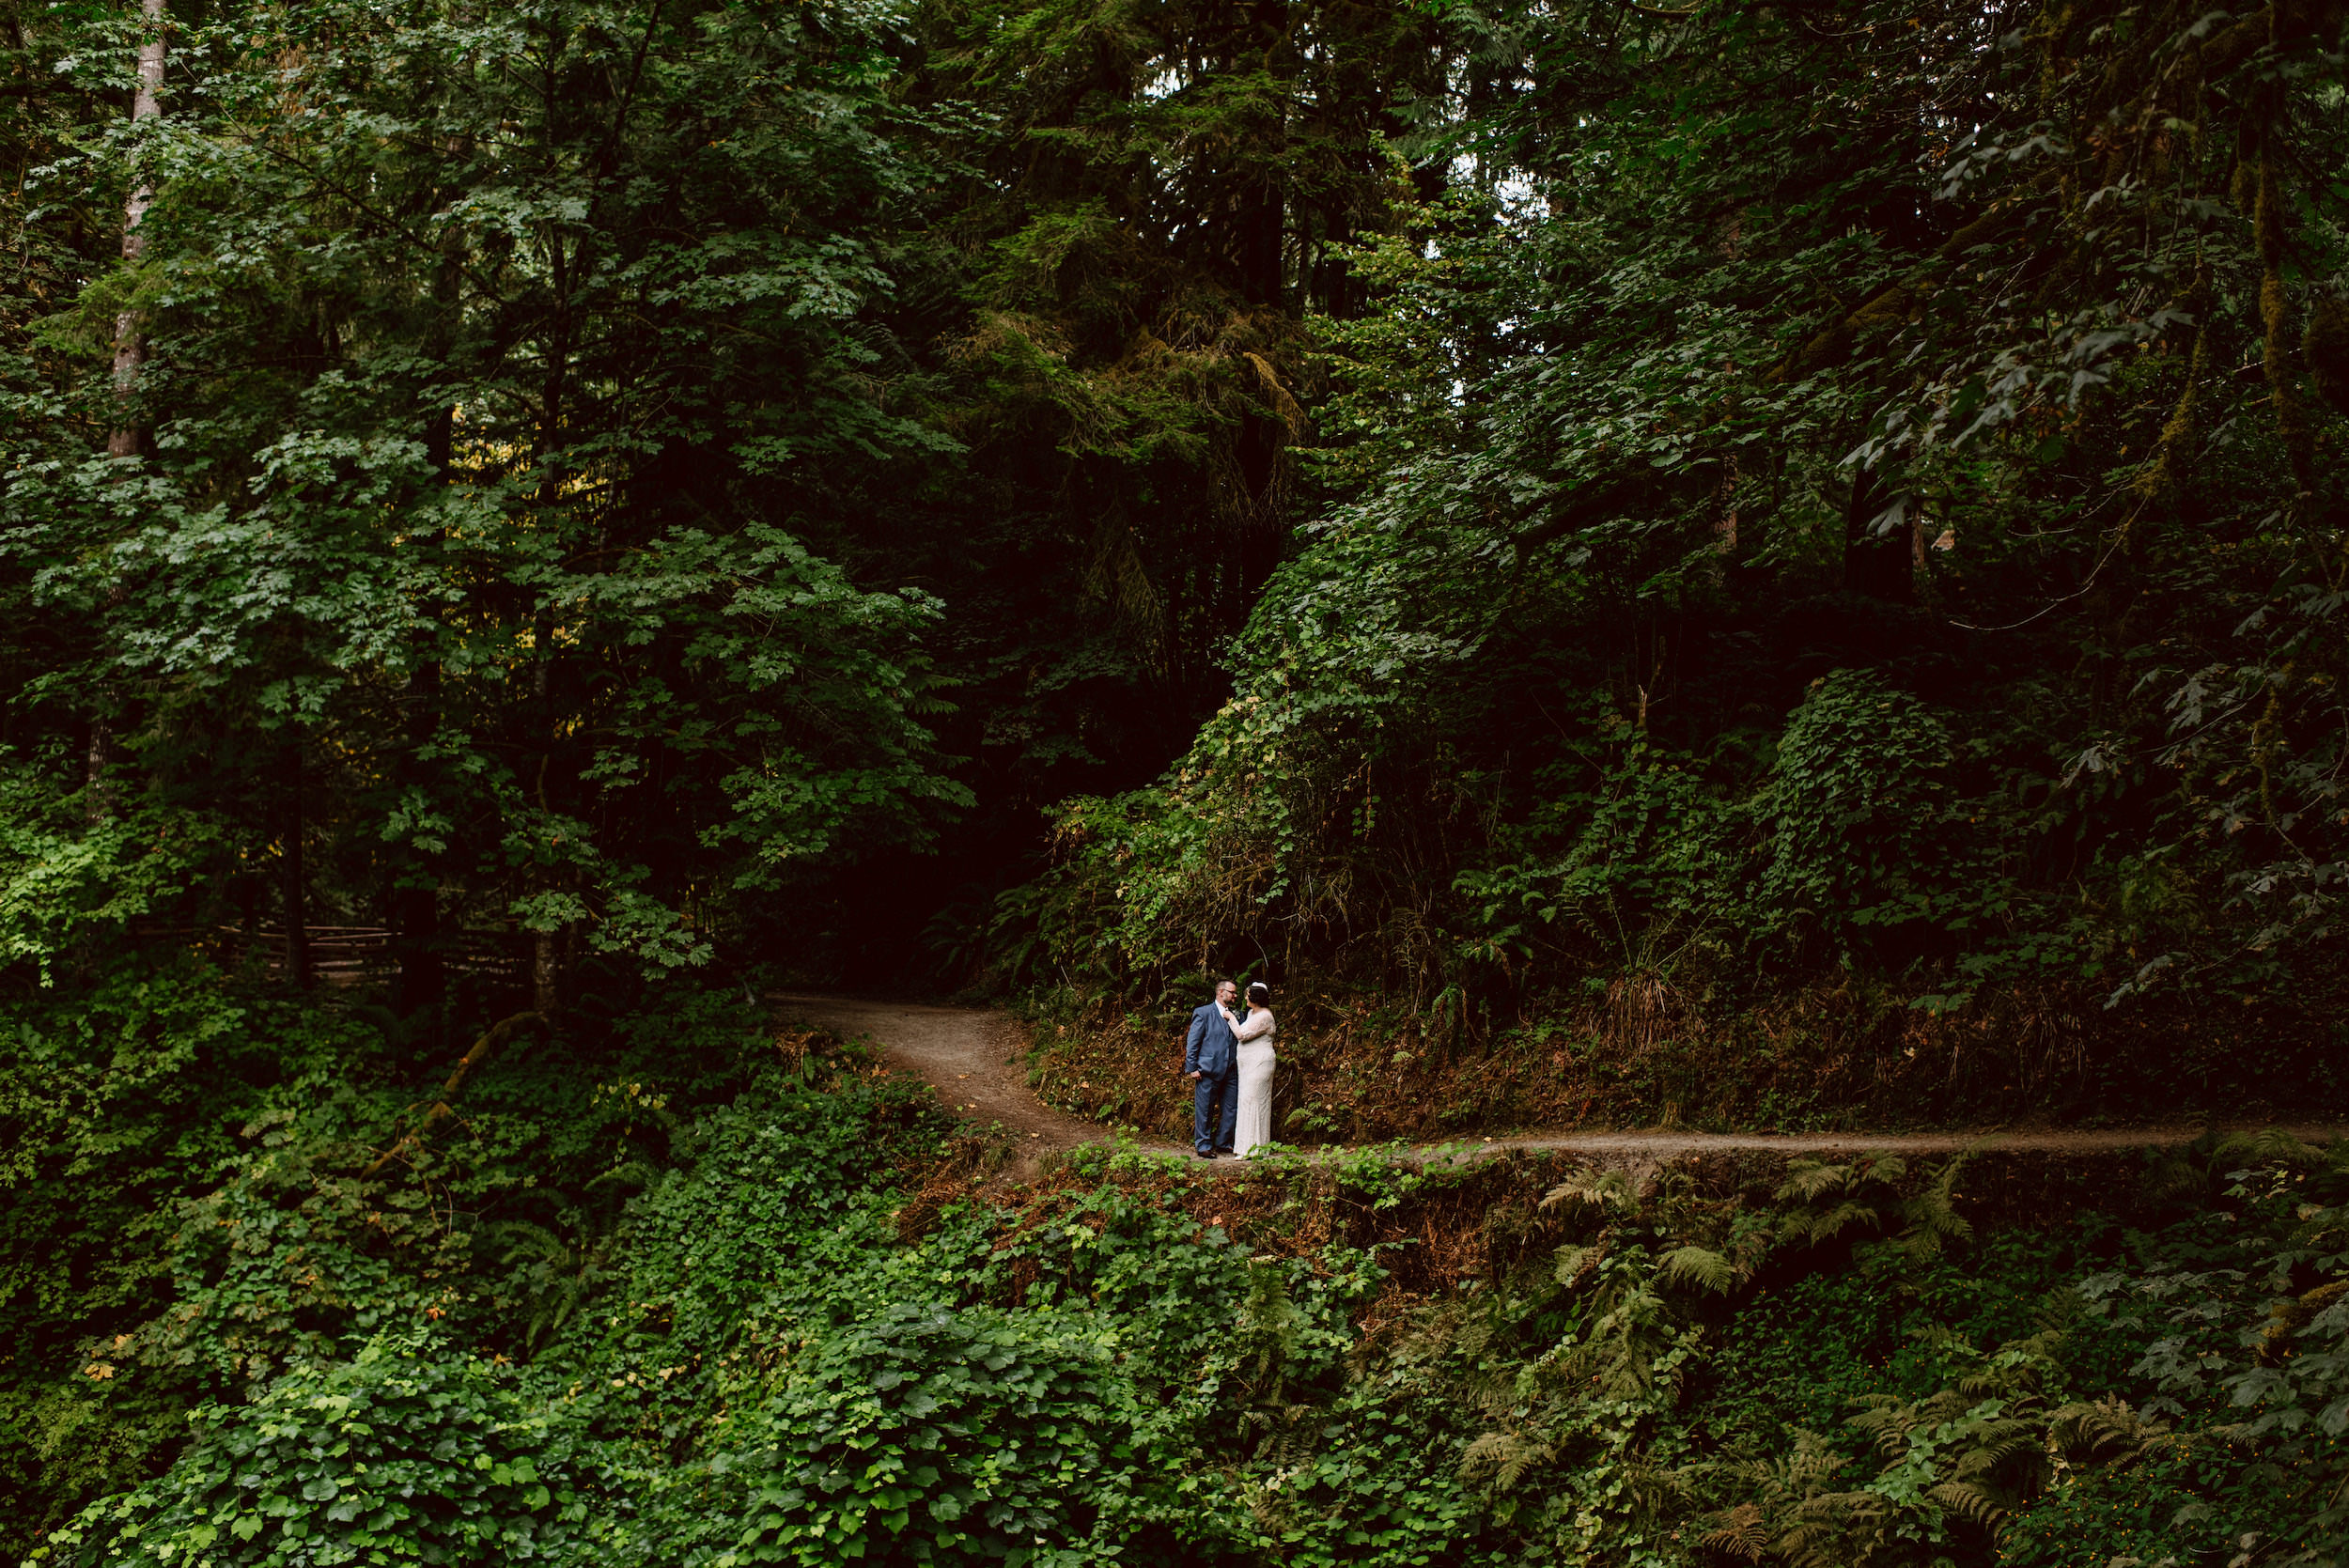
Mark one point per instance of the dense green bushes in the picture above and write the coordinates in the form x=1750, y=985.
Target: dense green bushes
x=690, y=1308
x=931, y=1435
x=409, y=1451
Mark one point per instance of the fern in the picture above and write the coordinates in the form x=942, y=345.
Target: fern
x=2269, y=1146
x=1574, y=1262
x=1932, y=1221
x=2106, y=1431
x=1816, y=1228
x=1740, y=1533
x=556, y=1277
x=2174, y=1178
x=1268, y=1331
x=1697, y=1268
x=1808, y=1180
x=1500, y=1460
x=1605, y=1191
x=1971, y=1503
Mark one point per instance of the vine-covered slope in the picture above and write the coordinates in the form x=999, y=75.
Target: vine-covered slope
x=669, y=1289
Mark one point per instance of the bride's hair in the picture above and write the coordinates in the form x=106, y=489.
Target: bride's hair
x=1260, y=995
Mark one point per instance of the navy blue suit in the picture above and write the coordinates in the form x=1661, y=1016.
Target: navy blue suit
x=1211, y=1051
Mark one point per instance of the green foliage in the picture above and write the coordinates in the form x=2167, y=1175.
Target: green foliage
x=927, y=1435
x=2094, y=1431
x=459, y=577
x=67, y=885
x=1855, y=830
x=404, y=1452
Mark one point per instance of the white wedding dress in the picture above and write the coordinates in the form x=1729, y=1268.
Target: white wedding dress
x=1254, y=1035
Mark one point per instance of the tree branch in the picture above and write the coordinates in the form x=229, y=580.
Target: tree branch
x=496, y=1036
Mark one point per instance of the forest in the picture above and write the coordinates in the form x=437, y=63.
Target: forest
x=1754, y=566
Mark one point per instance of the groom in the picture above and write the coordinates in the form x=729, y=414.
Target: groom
x=1211, y=1057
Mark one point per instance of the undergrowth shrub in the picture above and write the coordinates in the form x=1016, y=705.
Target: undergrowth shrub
x=1854, y=806
x=929, y=1435
x=123, y=1099
x=408, y=1451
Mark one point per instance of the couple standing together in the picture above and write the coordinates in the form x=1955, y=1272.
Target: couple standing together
x=1229, y=1060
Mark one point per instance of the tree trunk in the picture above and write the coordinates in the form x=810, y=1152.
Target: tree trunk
x=546, y=991
x=416, y=902
x=423, y=977
x=129, y=353
x=290, y=864
x=545, y=972
x=130, y=344
x=98, y=801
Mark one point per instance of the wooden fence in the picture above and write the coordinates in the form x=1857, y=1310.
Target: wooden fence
x=347, y=954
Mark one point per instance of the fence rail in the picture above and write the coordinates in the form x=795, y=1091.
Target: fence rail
x=344, y=955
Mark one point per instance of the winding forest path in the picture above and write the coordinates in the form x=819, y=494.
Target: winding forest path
x=970, y=1055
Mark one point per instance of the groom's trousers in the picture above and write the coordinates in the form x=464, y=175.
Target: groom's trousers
x=1215, y=1109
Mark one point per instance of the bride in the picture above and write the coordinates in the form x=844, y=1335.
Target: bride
x=1254, y=1035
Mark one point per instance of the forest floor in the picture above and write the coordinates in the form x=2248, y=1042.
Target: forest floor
x=971, y=1055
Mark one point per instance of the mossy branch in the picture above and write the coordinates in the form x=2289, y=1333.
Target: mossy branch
x=494, y=1036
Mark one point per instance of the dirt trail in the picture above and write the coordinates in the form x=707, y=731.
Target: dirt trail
x=965, y=1052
